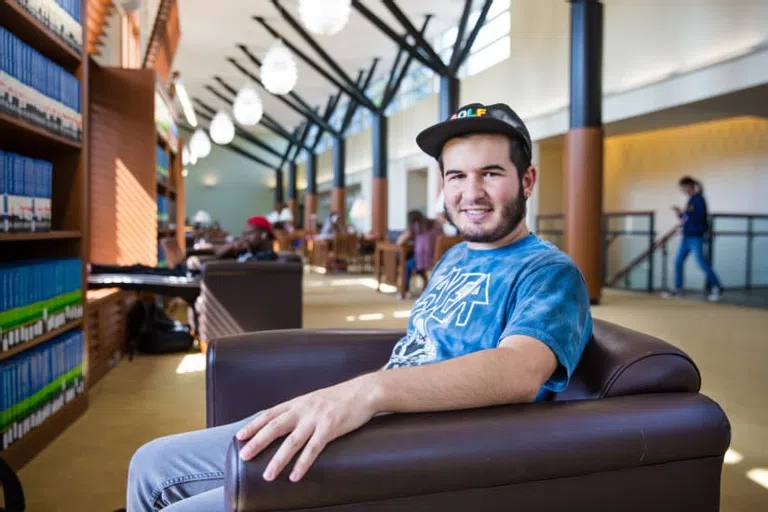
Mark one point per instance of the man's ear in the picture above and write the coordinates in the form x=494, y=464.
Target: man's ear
x=529, y=180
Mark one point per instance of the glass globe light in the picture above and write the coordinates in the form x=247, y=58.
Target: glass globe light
x=279, y=72
x=324, y=17
x=222, y=129
x=248, y=107
x=200, y=144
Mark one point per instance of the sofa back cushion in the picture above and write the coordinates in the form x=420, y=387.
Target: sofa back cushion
x=619, y=361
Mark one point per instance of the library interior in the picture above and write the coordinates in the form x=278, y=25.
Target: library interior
x=371, y=255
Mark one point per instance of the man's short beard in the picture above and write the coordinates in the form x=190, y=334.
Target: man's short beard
x=513, y=213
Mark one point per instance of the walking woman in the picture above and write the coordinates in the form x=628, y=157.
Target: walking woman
x=695, y=224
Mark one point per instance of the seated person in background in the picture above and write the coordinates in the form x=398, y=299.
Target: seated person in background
x=504, y=319
x=423, y=232
x=331, y=226
x=256, y=244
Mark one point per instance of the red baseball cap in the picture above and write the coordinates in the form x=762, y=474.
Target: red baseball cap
x=261, y=222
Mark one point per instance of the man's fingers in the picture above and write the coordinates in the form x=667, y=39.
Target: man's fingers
x=315, y=445
x=278, y=427
x=292, y=444
x=258, y=422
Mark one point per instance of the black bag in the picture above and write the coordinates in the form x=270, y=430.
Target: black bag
x=153, y=332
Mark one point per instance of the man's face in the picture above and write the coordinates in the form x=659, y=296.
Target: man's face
x=252, y=236
x=483, y=195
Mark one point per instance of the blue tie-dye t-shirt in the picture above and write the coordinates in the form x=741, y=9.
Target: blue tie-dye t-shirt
x=475, y=298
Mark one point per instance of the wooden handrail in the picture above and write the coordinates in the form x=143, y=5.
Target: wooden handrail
x=639, y=259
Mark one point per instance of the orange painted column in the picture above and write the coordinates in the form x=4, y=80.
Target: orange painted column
x=583, y=181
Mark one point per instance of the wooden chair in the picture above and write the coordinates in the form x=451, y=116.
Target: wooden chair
x=389, y=264
x=442, y=244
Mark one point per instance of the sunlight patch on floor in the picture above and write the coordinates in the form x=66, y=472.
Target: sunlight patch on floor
x=191, y=363
x=732, y=457
x=759, y=476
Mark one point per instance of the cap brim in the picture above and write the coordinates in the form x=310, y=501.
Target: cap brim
x=432, y=139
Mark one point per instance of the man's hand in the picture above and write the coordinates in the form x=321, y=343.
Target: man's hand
x=312, y=421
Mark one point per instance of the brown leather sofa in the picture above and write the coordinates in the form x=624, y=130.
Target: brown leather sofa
x=247, y=297
x=631, y=433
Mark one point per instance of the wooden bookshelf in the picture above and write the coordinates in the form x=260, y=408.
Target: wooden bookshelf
x=46, y=235
x=166, y=190
x=69, y=233
x=30, y=30
x=21, y=135
x=41, y=339
x=22, y=451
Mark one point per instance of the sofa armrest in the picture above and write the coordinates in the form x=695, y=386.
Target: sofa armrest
x=251, y=372
x=398, y=456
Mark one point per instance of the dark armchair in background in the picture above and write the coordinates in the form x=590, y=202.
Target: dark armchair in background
x=248, y=297
x=631, y=433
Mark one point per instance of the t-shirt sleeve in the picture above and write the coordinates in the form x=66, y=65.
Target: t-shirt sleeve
x=551, y=304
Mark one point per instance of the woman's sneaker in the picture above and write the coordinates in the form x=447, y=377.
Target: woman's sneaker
x=715, y=294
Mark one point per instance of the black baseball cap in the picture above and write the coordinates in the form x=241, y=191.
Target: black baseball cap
x=475, y=118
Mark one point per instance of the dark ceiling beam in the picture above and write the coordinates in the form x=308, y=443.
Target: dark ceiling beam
x=351, y=107
x=288, y=149
x=458, y=61
x=302, y=139
x=393, y=71
x=415, y=51
x=241, y=133
x=462, y=30
x=232, y=147
x=305, y=113
x=353, y=93
x=330, y=108
x=314, y=44
x=267, y=121
x=391, y=92
x=417, y=35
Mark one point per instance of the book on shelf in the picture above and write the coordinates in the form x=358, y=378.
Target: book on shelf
x=162, y=165
x=164, y=119
x=37, y=383
x=35, y=89
x=36, y=297
x=163, y=217
x=62, y=17
x=25, y=193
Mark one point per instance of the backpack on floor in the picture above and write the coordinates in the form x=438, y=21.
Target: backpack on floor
x=153, y=332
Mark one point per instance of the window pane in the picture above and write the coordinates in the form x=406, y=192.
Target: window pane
x=497, y=7
x=488, y=56
x=493, y=30
x=448, y=38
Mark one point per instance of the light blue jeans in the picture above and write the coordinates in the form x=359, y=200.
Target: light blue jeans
x=182, y=472
x=693, y=244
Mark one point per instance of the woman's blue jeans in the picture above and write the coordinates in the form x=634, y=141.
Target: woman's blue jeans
x=694, y=244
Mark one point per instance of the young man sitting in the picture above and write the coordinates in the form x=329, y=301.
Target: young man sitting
x=504, y=318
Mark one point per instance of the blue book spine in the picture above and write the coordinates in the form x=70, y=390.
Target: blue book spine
x=3, y=195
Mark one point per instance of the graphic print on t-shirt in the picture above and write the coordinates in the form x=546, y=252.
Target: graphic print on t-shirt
x=449, y=302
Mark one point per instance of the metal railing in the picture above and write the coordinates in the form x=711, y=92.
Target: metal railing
x=644, y=272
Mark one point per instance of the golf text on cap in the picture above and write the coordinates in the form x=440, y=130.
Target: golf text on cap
x=470, y=112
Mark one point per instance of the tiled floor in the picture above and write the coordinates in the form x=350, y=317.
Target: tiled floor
x=85, y=469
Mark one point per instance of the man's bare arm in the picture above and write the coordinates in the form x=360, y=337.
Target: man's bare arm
x=512, y=373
